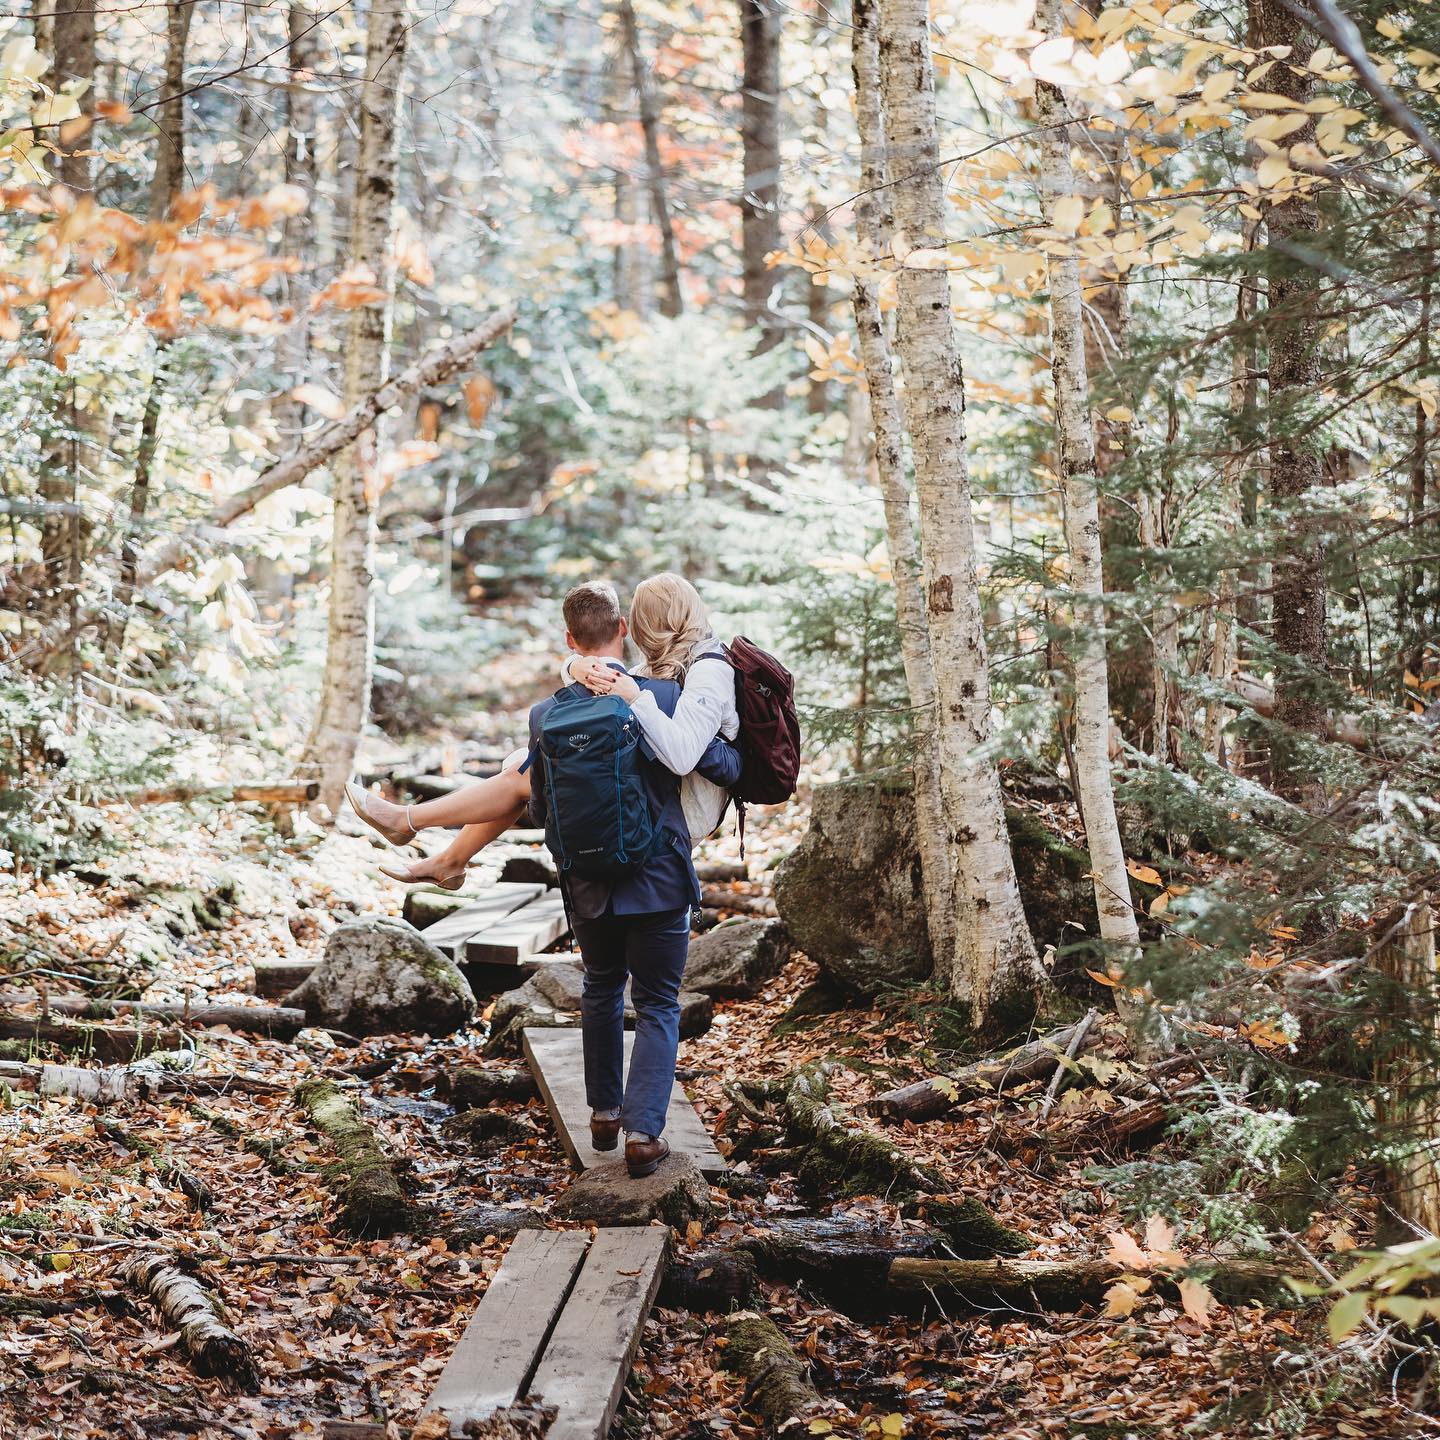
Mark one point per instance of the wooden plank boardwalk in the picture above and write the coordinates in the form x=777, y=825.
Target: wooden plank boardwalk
x=556, y=1059
x=507, y=925
x=559, y=1325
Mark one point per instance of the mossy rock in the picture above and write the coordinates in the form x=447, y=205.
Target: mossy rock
x=676, y=1193
x=851, y=892
x=381, y=976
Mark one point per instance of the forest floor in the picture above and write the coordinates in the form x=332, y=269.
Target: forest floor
x=346, y=1328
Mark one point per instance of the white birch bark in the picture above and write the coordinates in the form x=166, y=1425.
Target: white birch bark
x=349, y=657
x=1075, y=449
x=873, y=224
x=995, y=955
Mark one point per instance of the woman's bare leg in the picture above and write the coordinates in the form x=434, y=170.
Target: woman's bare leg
x=453, y=859
x=486, y=801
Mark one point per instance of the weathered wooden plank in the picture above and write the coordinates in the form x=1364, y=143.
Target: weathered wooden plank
x=506, y=1336
x=451, y=934
x=583, y=1369
x=557, y=1061
x=523, y=933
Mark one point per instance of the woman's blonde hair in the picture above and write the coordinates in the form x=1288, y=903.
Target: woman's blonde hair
x=667, y=620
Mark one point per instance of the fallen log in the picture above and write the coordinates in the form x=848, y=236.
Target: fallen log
x=109, y=1043
x=840, y=1156
x=1260, y=697
x=119, y=1083
x=372, y=1199
x=276, y=793
x=708, y=1280
x=1065, y=1284
x=277, y=1021
x=713, y=897
x=721, y=872
x=777, y=1381
x=214, y=1349
x=46, y=1307
x=473, y=1087
x=930, y=1099
x=166, y=1166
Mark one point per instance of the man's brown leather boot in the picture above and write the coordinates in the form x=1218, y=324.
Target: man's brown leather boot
x=604, y=1134
x=643, y=1157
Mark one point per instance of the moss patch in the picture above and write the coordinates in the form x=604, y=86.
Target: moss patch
x=362, y=1178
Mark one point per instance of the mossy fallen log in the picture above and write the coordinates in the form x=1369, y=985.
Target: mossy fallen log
x=214, y=1349
x=777, y=1381
x=111, y=1044
x=362, y=1178
x=837, y=1156
x=931, y=1099
x=475, y=1087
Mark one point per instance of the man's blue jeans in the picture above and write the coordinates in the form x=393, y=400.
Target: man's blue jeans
x=650, y=950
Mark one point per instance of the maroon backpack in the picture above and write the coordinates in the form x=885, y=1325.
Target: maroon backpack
x=769, y=738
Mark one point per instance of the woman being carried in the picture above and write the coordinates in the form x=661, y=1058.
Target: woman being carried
x=669, y=624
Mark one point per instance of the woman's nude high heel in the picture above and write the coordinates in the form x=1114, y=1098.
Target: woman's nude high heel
x=408, y=877
x=360, y=801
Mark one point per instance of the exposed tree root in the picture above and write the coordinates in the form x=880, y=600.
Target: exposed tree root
x=363, y=1179
x=930, y=1099
x=777, y=1381
x=473, y=1087
x=214, y=1349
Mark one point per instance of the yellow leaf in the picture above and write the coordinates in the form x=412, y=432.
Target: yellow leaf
x=1121, y=415
x=1197, y=1300
x=1273, y=169
x=1160, y=1237
x=1122, y=1298
x=1389, y=27
x=1347, y=1314
x=1160, y=904
x=1100, y=979
x=318, y=398
x=1125, y=1252
x=1067, y=213
x=1143, y=873
x=893, y=1425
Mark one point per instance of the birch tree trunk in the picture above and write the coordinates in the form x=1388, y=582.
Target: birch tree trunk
x=1075, y=450
x=349, y=656
x=874, y=225
x=996, y=971
x=672, y=302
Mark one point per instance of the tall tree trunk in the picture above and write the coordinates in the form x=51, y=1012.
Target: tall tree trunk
x=997, y=971
x=349, y=657
x=169, y=177
x=1413, y=620
x=294, y=356
x=1075, y=450
x=760, y=145
x=672, y=302
x=165, y=187
x=1293, y=327
x=73, y=33
x=874, y=227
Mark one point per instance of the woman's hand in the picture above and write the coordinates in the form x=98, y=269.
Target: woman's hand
x=602, y=679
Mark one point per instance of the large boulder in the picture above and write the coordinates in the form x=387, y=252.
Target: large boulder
x=381, y=976
x=735, y=961
x=550, y=998
x=850, y=893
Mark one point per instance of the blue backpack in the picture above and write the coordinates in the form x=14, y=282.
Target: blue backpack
x=597, y=813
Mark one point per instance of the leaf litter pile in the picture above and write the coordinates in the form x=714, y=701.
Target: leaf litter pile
x=208, y=1180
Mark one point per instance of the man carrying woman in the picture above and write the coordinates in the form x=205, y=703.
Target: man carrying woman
x=636, y=927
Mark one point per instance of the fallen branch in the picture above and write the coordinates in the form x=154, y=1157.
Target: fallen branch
x=1061, y=1284
x=1076, y=1041
x=431, y=369
x=166, y=1166
x=274, y=1020
x=186, y=1306
x=930, y=1099
x=777, y=1381
x=363, y=1179
x=714, y=897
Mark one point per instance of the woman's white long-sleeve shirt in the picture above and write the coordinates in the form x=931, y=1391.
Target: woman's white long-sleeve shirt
x=705, y=709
